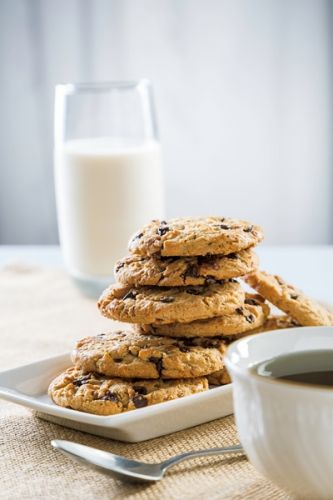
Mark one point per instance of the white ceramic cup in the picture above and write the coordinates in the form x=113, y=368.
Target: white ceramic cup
x=285, y=428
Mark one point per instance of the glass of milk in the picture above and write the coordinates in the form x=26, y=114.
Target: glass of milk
x=108, y=174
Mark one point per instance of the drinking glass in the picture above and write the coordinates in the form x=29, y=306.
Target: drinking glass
x=108, y=174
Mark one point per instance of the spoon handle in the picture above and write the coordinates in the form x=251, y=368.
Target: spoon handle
x=200, y=453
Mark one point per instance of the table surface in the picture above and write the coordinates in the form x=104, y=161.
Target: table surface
x=307, y=267
x=43, y=314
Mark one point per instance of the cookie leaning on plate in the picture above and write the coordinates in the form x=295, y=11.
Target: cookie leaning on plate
x=127, y=354
x=170, y=304
x=289, y=299
x=181, y=271
x=251, y=315
x=188, y=236
x=103, y=395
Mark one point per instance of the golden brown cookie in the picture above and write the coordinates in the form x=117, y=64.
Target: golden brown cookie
x=289, y=299
x=252, y=314
x=94, y=393
x=221, y=377
x=179, y=271
x=189, y=236
x=170, y=304
x=127, y=354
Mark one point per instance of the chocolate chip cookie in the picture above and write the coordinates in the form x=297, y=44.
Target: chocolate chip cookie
x=179, y=271
x=94, y=393
x=170, y=304
x=195, y=236
x=127, y=354
x=252, y=314
x=221, y=377
x=289, y=299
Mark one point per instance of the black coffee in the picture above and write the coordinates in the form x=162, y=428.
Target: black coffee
x=305, y=367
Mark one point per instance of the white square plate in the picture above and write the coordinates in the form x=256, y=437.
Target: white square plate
x=27, y=386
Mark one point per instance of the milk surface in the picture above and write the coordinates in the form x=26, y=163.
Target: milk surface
x=106, y=190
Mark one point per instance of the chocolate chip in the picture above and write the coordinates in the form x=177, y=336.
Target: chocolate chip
x=232, y=256
x=192, y=271
x=293, y=296
x=140, y=401
x=162, y=230
x=110, y=396
x=249, y=318
x=119, y=266
x=227, y=338
x=194, y=291
x=188, y=342
x=251, y=302
x=167, y=300
x=100, y=335
x=248, y=229
x=183, y=348
x=82, y=380
x=158, y=362
x=240, y=311
x=140, y=389
x=232, y=280
x=137, y=236
x=164, y=222
x=208, y=343
x=210, y=280
x=118, y=360
x=224, y=226
x=130, y=295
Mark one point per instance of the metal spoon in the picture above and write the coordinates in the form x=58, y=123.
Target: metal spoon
x=126, y=469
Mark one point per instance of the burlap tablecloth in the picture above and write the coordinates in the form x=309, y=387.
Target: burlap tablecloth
x=41, y=314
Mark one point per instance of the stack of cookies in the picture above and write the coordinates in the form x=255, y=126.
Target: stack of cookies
x=178, y=292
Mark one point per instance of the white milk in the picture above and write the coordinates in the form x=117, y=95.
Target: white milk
x=106, y=190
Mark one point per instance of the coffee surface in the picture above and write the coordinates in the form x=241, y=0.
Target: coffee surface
x=305, y=367
x=317, y=378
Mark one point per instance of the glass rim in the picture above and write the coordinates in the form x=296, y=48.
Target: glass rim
x=102, y=86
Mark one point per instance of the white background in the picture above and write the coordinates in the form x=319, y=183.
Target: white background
x=243, y=91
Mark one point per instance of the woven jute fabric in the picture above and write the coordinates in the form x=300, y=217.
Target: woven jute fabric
x=42, y=314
